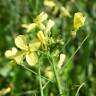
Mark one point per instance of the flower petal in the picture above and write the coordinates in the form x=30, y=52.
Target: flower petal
x=41, y=17
x=41, y=37
x=21, y=42
x=34, y=45
x=50, y=24
x=32, y=58
x=19, y=57
x=9, y=54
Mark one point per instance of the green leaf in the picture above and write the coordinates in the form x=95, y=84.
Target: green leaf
x=5, y=70
x=32, y=58
x=21, y=42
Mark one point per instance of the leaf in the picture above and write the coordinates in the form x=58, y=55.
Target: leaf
x=5, y=70
x=32, y=58
x=34, y=45
x=21, y=42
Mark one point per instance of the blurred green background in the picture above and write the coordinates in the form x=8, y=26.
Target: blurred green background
x=82, y=68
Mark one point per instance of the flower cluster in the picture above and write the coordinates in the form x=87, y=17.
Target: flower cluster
x=28, y=50
x=57, y=7
x=79, y=20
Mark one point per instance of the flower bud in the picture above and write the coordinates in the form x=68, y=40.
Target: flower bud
x=61, y=60
x=79, y=20
x=50, y=24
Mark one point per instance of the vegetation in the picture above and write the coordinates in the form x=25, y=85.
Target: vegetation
x=47, y=48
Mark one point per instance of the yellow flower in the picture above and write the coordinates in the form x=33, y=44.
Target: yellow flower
x=28, y=51
x=50, y=4
x=38, y=22
x=11, y=53
x=41, y=37
x=31, y=58
x=15, y=55
x=49, y=72
x=29, y=27
x=79, y=20
x=21, y=42
x=41, y=17
x=50, y=24
x=64, y=12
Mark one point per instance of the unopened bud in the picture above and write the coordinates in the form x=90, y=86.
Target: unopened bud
x=61, y=60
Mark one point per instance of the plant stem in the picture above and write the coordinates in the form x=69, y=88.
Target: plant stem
x=56, y=74
x=40, y=82
x=79, y=89
x=30, y=70
x=77, y=50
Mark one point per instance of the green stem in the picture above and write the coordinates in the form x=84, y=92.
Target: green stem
x=40, y=82
x=77, y=50
x=79, y=89
x=56, y=75
x=30, y=70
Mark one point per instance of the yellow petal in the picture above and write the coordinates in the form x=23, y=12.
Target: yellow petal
x=31, y=27
x=14, y=50
x=79, y=20
x=50, y=4
x=34, y=45
x=21, y=42
x=49, y=73
x=19, y=57
x=24, y=25
x=41, y=26
x=41, y=37
x=64, y=12
x=9, y=54
x=32, y=58
x=41, y=17
x=50, y=24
